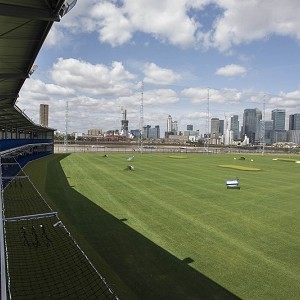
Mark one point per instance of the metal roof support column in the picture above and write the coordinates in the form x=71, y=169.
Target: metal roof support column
x=2, y=246
x=5, y=133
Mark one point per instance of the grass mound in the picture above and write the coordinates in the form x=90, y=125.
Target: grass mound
x=242, y=168
x=287, y=159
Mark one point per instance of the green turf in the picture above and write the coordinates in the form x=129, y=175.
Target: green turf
x=171, y=230
x=242, y=168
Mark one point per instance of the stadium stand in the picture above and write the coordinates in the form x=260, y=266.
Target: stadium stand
x=39, y=257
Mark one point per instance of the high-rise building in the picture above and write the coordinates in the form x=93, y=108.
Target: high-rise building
x=154, y=133
x=172, y=126
x=268, y=134
x=175, y=127
x=294, y=122
x=146, y=130
x=234, y=126
x=221, y=127
x=135, y=132
x=214, y=128
x=44, y=114
x=94, y=131
x=151, y=133
x=278, y=118
x=124, y=123
x=169, y=124
x=190, y=127
x=251, y=128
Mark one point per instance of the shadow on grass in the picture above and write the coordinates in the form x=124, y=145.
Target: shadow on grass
x=147, y=270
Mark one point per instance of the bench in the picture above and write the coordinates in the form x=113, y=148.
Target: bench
x=233, y=184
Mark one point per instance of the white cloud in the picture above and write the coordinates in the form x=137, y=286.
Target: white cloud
x=157, y=75
x=117, y=21
x=54, y=37
x=160, y=96
x=203, y=96
x=231, y=70
x=293, y=94
x=196, y=115
x=179, y=22
x=217, y=96
x=247, y=21
x=93, y=79
x=37, y=89
x=115, y=28
x=286, y=100
x=166, y=20
x=196, y=95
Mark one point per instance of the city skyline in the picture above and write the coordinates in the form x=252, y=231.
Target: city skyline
x=235, y=124
x=221, y=54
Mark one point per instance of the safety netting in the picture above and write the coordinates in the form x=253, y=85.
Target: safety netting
x=43, y=261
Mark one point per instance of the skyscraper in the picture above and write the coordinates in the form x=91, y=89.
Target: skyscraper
x=172, y=126
x=175, y=127
x=154, y=133
x=215, y=128
x=268, y=133
x=124, y=123
x=169, y=124
x=221, y=127
x=234, y=126
x=44, y=114
x=251, y=119
x=294, y=122
x=146, y=130
x=278, y=117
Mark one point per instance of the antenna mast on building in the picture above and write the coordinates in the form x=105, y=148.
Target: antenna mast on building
x=207, y=138
x=263, y=127
x=124, y=122
x=141, y=125
x=66, y=127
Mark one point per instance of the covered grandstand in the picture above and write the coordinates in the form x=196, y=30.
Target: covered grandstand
x=39, y=257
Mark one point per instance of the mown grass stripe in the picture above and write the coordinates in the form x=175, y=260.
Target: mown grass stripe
x=241, y=238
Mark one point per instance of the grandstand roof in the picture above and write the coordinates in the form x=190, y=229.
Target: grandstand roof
x=24, y=25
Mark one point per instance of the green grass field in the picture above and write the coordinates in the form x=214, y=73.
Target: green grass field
x=171, y=230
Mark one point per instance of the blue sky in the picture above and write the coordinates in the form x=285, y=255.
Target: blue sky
x=245, y=53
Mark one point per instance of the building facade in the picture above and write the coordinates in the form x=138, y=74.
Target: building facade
x=214, y=128
x=235, y=127
x=269, y=132
x=151, y=133
x=44, y=114
x=251, y=124
x=294, y=122
x=221, y=127
x=293, y=136
x=124, y=123
x=278, y=118
x=154, y=133
x=94, y=131
x=172, y=127
x=169, y=123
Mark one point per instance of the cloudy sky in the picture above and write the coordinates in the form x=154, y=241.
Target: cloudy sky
x=195, y=58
